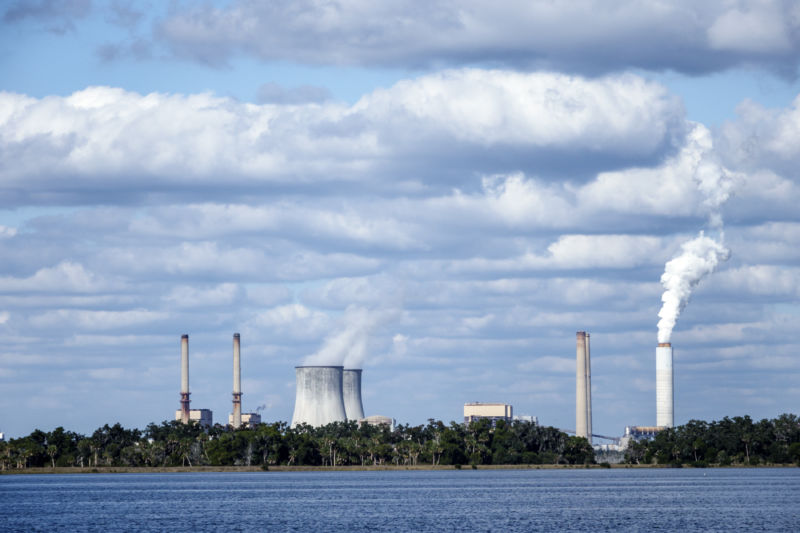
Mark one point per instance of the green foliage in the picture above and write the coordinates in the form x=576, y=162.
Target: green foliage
x=730, y=441
x=339, y=444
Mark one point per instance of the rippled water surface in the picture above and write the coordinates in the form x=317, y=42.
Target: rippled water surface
x=467, y=500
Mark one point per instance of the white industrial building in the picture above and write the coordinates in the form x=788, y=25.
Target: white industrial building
x=491, y=411
x=204, y=417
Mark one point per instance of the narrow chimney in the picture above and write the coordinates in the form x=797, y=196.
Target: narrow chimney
x=185, y=379
x=588, y=391
x=581, y=412
x=237, y=382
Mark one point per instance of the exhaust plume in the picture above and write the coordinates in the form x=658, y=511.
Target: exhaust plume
x=700, y=257
x=348, y=347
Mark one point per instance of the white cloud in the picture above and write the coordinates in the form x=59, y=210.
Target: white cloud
x=587, y=35
x=64, y=277
x=763, y=29
x=109, y=138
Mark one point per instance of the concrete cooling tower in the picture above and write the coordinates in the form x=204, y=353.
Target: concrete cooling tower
x=351, y=389
x=319, y=399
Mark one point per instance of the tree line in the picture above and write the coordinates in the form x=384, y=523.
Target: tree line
x=337, y=444
x=730, y=441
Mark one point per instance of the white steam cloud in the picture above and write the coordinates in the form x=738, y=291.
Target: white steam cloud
x=702, y=255
x=349, y=347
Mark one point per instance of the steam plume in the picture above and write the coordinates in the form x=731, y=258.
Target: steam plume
x=348, y=347
x=700, y=257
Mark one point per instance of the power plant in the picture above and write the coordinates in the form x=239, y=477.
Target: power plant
x=583, y=387
x=664, y=384
x=327, y=394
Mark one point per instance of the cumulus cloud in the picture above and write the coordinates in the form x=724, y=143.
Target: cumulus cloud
x=587, y=35
x=109, y=139
x=763, y=138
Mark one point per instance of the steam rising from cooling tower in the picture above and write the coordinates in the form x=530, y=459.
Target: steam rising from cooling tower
x=349, y=346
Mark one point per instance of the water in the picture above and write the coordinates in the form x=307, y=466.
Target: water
x=467, y=500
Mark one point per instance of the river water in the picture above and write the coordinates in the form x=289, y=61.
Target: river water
x=760, y=499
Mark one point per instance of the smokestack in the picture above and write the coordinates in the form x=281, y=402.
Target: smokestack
x=319, y=400
x=581, y=411
x=588, y=391
x=351, y=387
x=237, y=382
x=185, y=379
x=664, y=382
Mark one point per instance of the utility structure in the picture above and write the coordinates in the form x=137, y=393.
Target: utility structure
x=185, y=414
x=351, y=391
x=319, y=397
x=237, y=382
x=583, y=387
x=185, y=379
x=664, y=386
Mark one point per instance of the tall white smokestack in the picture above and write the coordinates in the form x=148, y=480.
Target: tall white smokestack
x=664, y=383
x=319, y=400
x=185, y=379
x=581, y=410
x=237, y=382
x=351, y=390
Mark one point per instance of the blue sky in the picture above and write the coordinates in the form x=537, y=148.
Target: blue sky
x=443, y=194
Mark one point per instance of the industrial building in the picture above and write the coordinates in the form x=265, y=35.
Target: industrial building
x=583, y=387
x=250, y=420
x=491, y=411
x=379, y=420
x=204, y=417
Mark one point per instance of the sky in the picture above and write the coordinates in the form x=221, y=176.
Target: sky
x=442, y=193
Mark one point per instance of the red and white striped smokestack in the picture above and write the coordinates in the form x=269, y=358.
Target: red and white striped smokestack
x=185, y=379
x=237, y=382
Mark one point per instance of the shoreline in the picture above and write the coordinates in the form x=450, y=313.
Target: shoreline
x=356, y=468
